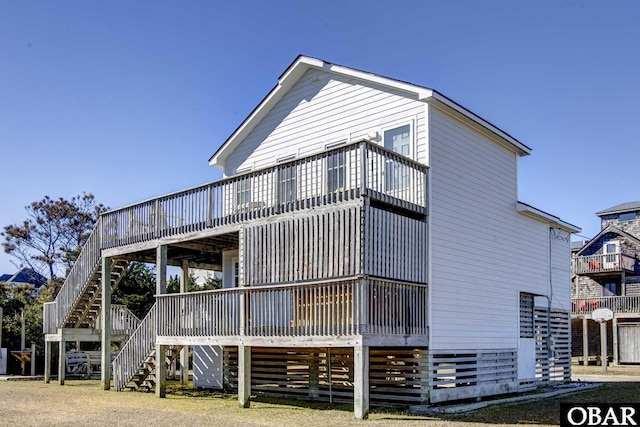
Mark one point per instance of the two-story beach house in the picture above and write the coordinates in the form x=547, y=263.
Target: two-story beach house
x=606, y=274
x=373, y=250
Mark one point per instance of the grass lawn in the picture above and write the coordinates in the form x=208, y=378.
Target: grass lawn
x=82, y=403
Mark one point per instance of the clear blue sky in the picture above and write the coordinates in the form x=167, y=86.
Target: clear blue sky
x=128, y=99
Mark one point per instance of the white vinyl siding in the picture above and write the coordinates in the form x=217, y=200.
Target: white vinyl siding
x=484, y=253
x=316, y=113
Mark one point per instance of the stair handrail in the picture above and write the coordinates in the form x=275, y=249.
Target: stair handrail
x=135, y=350
x=123, y=320
x=80, y=274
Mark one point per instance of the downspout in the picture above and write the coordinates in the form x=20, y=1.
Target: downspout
x=550, y=296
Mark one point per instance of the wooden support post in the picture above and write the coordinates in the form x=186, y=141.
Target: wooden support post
x=161, y=370
x=614, y=327
x=105, y=322
x=61, y=360
x=244, y=376
x=22, y=331
x=244, y=352
x=184, y=353
x=585, y=341
x=424, y=376
x=0, y=327
x=161, y=270
x=47, y=362
x=361, y=382
x=33, y=360
x=603, y=345
x=161, y=350
x=314, y=375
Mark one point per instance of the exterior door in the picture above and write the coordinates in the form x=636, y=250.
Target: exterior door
x=397, y=140
x=611, y=251
x=610, y=289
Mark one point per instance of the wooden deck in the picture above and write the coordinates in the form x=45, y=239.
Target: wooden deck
x=358, y=170
x=367, y=170
x=342, y=236
x=620, y=305
x=603, y=263
x=335, y=312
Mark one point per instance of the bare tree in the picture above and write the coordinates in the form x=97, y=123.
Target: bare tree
x=51, y=237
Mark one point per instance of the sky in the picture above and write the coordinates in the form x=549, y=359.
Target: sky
x=128, y=100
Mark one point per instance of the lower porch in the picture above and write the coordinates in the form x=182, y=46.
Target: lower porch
x=616, y=341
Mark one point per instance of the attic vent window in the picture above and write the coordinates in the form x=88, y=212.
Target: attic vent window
x=629, y=216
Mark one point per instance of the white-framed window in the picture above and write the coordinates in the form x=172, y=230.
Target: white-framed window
x=336, y=168
x=235, y=276
x=399, y=139
x=287, y=180
x=243, y=195
x=611, y=247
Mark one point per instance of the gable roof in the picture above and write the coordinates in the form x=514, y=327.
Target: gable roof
x=609, y=229
x=25, y=276
x=622, y=207
x=577, y=245
x=304, y=63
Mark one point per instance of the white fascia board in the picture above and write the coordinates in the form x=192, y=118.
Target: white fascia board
x=298, y=68
x=285, y=82
x=520, y=148
x=248, y=125
x=543, y=216
x=421, y=92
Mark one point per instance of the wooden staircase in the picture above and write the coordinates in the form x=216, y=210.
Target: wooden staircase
x=78, y=302
x=87, y=307
x=144, y=377
x=134, y=366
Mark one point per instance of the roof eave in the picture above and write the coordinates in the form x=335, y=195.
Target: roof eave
x=543, y=216
x=303, y=63
x=608, y=229
x=440, y=99
x=285, y=81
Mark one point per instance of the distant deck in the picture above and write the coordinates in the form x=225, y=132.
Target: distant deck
x=620, y=305
x=602, y=264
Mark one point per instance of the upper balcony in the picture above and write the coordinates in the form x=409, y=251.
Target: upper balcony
x=603, y=264
x=356, y=170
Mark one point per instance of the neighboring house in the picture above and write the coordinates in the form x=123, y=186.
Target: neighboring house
x=606, y=274
x=26, y=276
x=372, y=246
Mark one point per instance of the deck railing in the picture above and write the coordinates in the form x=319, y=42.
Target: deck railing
x=135, y=351
x=617, y=304
x=343, y=173
x=341, y=307
x=123, y=321
x=603, y=263
x=50, y=320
